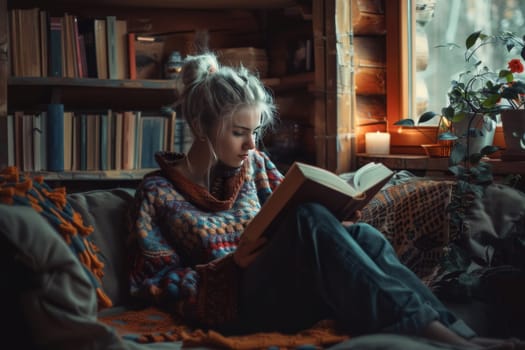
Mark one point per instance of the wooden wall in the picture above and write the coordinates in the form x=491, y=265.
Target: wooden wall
x=369, y=43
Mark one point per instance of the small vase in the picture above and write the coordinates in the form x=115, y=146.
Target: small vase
x=513, y=121
x=481, y=133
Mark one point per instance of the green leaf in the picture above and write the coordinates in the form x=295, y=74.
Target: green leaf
x=459, y=116
x=425, y=117
x=474, y=158
x=472, y=38
x=447, y=136
x=448, y=112
x=449, y=46
x=405, y=122
x=491, y=101
x=489, y=150
x=507, y=74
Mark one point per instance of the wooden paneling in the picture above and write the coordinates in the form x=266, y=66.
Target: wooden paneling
x=201, y=4
x=368, y=17
x=370, y=48
x=318, y=24
x=4, y=65
x=396, y=63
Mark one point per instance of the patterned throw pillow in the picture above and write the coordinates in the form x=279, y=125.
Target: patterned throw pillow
x=52, y=204
x=413, y=216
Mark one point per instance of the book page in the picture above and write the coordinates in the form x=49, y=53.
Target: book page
x=328, y=179
x=369, y=175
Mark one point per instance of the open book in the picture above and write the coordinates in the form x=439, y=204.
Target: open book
x=309, y=183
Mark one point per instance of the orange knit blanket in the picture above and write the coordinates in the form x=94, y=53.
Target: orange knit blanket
x=52, y=204
x=154, y=325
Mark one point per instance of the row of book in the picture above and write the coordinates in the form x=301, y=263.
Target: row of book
x=57, y=140
x=44, y=45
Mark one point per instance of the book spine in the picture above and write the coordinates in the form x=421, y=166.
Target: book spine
x=111, y=30
x=86, y=27
x=103, y=142
x=132, y=56
x=55, y=137
x=79, y=44
x=19, y=149
x=43, y=29
x=83, y=141
x=101, y=48
x=110, y=140
x=151, y=129
x=27, y=140
x=37, y=142
x=138, y=140
x=10, y=140
x=128, y=140
x=43, y=140
x=121, y=49
x=55, y=47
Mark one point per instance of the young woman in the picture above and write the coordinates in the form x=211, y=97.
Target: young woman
x=190, y=252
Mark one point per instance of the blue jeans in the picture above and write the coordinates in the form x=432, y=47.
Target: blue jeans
x=315, y=268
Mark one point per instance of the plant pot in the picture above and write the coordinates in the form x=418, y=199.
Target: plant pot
x=438, y=150
x=481, y=133
x=513, y=121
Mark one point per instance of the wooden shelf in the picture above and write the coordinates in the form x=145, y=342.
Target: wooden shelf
x=31, y=93
x=192, y=4
x=435, y=165
x=34, y=93
x=291, y=81
x=135, y=174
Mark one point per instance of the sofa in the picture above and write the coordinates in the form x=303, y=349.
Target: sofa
x=51, y=301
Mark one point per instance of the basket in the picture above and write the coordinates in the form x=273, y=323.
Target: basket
x=438, y=150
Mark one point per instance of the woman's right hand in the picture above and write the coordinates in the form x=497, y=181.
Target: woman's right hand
x=248, y=250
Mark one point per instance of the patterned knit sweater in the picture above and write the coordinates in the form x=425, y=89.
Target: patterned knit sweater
x=178, y=225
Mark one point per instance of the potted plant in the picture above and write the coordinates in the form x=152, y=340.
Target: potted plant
x=491, y=93
x=478, y=93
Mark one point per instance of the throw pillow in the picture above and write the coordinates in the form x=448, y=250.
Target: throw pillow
x=413, y=217
x=52, y=204
x=55, y=299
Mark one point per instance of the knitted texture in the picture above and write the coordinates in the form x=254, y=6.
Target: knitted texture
x=413, y=217
x=151, y=325
x=52, y=204
x=174, y=234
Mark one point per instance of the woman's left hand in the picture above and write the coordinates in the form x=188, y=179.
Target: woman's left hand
x=355, y=217
x=248, y=250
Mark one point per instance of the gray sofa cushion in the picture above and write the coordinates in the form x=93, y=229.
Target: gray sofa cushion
x=106, y=211
x=59, y=303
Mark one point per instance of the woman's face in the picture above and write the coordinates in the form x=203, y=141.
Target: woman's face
x=236, y=137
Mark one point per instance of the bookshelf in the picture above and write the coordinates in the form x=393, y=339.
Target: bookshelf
x=305, y=97
x=29, y=93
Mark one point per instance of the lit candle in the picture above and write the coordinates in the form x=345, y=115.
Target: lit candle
x=377, y=142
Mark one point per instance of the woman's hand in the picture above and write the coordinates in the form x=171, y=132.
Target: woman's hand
x=353, y=219
x=248, y=250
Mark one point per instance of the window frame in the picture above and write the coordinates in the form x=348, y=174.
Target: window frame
x=398, y=71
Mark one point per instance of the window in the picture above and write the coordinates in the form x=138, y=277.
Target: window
x=438, y=22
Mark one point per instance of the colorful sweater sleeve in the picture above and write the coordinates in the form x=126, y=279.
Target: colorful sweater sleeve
x=267, y=176
x=156, y=270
